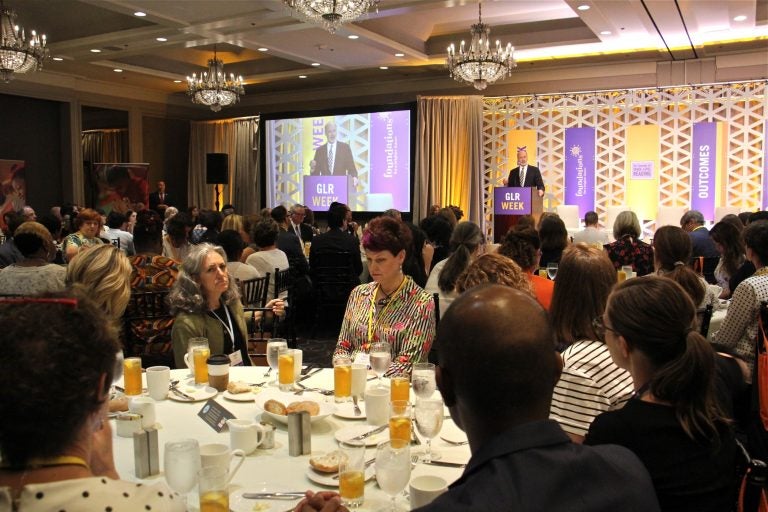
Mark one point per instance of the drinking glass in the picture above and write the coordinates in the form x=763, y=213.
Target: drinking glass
x=359, y=374
x=200, y=357
x=285, y=372
x=400, y=422
x=181, y=461
x=214, y=496
x=342, y=379
x=132, y=376
x=352, y=473
x=399, y=387
x=189, y=359
x=393, y=468
x=273, y=352
x=380, y=357
x=551, y=270
x=429, y=421
x=423, y=379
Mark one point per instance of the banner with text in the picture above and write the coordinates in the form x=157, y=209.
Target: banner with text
x=704, y=168
x=641, y=176
x=390, y=154
x=512, y=201
x=321, y=191
x=580, y=168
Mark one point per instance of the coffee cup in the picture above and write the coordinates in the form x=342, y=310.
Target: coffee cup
x=245, y=435
x=424, y=489
x=377, y=405
x=219, y=455
x=158, y=381
x=144, y=406
x=218, y=372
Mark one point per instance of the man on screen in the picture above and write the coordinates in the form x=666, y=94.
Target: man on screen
x=525, y=175
x=333, y=158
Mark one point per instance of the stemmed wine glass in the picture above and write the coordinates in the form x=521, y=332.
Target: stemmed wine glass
x=429, y=420
x=393, y=468
x=423, y=379
x=380, y=357
x=181, y=461
x=273, y=352
x=551, y=271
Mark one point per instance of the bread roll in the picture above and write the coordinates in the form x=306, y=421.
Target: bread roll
x=306, y=405
x=327, y=463
x=118, y=404
x=235, y=387
x=275, y=407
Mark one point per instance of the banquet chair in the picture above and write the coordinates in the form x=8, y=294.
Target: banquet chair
x=569, y=213
x=611, y=212
x=259, y=332
x=722, y=211
x=254, y=291
x=704, y=317
x=147, y=329
x=669, y=215
x=432, y=356
x=333, y=278
x=283, y=282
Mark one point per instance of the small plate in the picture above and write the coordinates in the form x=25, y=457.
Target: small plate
x=197, y=394
x=239, y=504
x=326, y=408
x=347, y=433
x=249, y=396
x=327, y=479
x=347, y=411
x=452, y=434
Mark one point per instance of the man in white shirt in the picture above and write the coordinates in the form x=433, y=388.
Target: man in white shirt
x=120, y=238
x=333, y=158
x=303, y=231
x=525, y=175
x=591, y=234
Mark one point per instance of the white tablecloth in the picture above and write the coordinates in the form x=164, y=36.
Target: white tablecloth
x=272, y=468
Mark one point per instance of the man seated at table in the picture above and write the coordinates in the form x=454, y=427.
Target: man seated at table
x=497, y=373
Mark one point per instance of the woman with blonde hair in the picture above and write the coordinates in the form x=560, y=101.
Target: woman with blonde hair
x=494, y=268
x=104, y=273
x=628, y=249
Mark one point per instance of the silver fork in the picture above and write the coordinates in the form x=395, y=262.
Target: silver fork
x=266, y=374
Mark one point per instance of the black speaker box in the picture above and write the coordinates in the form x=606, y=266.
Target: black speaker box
x=217, y=168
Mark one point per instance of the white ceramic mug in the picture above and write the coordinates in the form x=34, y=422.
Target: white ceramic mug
x=245, y=435
x=158, y=382
x=377, y=405
x=219, y=455
x=145, y=406
x=424, y=489
x=298, y=357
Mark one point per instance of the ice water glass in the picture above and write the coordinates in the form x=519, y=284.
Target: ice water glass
x=181, y=462
x=429, y=420
x=380, y=357
x=423, y=380
x=273, y=352
x=393, y=468
x=551, y=271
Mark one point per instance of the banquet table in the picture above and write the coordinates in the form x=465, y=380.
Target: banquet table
x=273, y=469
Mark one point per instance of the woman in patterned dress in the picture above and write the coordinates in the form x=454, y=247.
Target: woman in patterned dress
x=392, y=308
x=628, y=249
x=88, y=223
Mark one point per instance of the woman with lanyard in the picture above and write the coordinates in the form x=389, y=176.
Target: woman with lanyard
x=207, y=304
x=392, y=308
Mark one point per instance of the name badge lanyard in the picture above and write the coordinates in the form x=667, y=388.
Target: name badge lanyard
x=230, y=330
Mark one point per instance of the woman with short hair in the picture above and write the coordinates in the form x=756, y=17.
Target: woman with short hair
x=88, y=224
x=523, y=247
x=35, y=273
x=104, y=272
x=628, y=249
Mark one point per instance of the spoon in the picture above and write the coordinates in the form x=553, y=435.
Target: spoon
x=358, y=412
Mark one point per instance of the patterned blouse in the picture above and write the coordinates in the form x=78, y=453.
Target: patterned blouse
x=79, y=240
x=407, y=322
x=629, y=251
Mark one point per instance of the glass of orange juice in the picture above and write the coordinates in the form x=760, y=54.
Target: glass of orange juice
x=132, y=375
x=400, y=423
x=342, y=379
x=286, y=375
x=214, y=496
x=200, y=357
x=352, y=473
x=399, y=387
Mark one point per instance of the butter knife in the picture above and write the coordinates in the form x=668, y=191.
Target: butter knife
x=273, y=495
x=182, y=394
x=369, y=433
x=444, y=464
x=308, y=375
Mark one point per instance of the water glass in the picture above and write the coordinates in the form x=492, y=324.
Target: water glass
x=212, y=483
x=380, y=357
x=393, y=468
x=400, y=422
x=429, y=420
x=342, y=379
x=551, y=270
x=273, y=349
x=359, y=375
x=423, y=379
x=285, y=371
x=181, y=462
x=352, y=473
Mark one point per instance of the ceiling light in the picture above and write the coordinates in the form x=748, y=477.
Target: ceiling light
x=162, y=39
x=212, y=88
x=315, y=64
x=399, y=55
x=605, y=33
x=58, y=59
x=95, y=50
x=117, y=70
x=262, y=49
x=583, y=7
x=479, y=64
x=740, y=17
x=383, y=67
x=331, y=13
x=177, y=81
x=140, y=14
x=302, y=76
x=18, y=53
x=353, y=36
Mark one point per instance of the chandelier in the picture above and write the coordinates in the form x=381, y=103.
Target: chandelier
x=480, y=65
x=213, y=88
x=17, y=53
x=331, y=13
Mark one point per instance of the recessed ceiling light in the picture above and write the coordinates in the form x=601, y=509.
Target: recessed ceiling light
x=262, y=49
x=399, y=55
x=58, y=59
x=740, y=17
x=95, y=50
x=140, y=14
x=605, y=33
x=117, y=70
x=583, y=7
x=353, y=36
x=302, y=76
x=383, y=67
x=177, y=81
x=315, y=64
x=162, y=39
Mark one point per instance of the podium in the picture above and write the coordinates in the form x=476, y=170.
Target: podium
x=320, y=191
x=511, y=203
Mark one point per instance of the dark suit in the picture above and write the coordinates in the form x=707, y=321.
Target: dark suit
x=702, y=243
x=154, y=200
x=304, y=229
x=532, y=178
x=343, y=161
x=288, y=242
x=334, y=241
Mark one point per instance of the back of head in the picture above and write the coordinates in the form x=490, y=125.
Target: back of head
x=525, y=222
x=31, y=238
x=465, y=240
x=672, y=251
x=387, y=234
x=13, y=221
x=232, y=243
x=449, y=215
x=279, y=213
x=52, y=223
x=336, y=215
x=495, y=269
x=734, y=220
x=756, y=239
x=438, y=229
x=585, y=278
x=395, y=214
x=626, y=224
x=265, y=233
x=501, y=365
x=523, y=247
x=177, y=227
x=553, y=234
x=115, y=220
x=590, y=219
x=104, y=272
x=148, y=231
x=210, y=219
x=232, y=221
x=50, y=374
x=694, y=216
x=170, y=212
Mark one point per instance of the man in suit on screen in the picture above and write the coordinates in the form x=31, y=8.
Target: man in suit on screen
x=333, y=158
x=525, y=175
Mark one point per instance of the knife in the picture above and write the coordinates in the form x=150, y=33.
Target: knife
x=309, y=374
x=444, y=464
x=182, y=394
x=369, y=433
x=273, y=495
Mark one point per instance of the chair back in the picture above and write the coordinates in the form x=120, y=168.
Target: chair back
x=569, y=213
x=333, y=278
x=254, y=291
x=282, y=281
x=147, y=328
x=267, y=325
x=432, y=356
x=704, y=317
x=705, y=267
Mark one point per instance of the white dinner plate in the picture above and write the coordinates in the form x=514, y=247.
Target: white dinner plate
x=347, y=433
x=347, y=411
x=197, y=394
x=326, y=408
x=239, y=504
x=248, y=396
x=327, y=479
x=453, y=434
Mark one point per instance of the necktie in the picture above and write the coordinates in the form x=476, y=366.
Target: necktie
x=298, y=231
x=522, y=176
x=330, y=158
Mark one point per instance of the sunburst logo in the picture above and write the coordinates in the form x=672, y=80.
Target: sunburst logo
x=575, y=150
x=383, y=115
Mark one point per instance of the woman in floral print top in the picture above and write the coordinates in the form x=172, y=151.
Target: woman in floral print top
x=392, y=308
x=628, y=249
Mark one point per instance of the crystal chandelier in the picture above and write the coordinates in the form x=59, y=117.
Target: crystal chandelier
x=18, y=54
x=480, y=65
x=331, y=13
x=212, y=88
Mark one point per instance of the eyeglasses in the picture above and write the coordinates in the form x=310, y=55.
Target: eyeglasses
x=598, y=324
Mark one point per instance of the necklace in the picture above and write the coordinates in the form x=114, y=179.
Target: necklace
x=387, y=297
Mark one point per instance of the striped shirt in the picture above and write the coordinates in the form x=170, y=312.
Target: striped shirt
x=589, y=385
x=407, y=322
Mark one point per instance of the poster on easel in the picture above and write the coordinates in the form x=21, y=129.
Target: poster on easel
x=13, y=188
x=121, y=186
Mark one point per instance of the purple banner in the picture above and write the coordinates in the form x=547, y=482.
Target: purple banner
x=512, y=200
x=321, y=191
x=390, y=158
x=703, y=167
x=580, y=168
